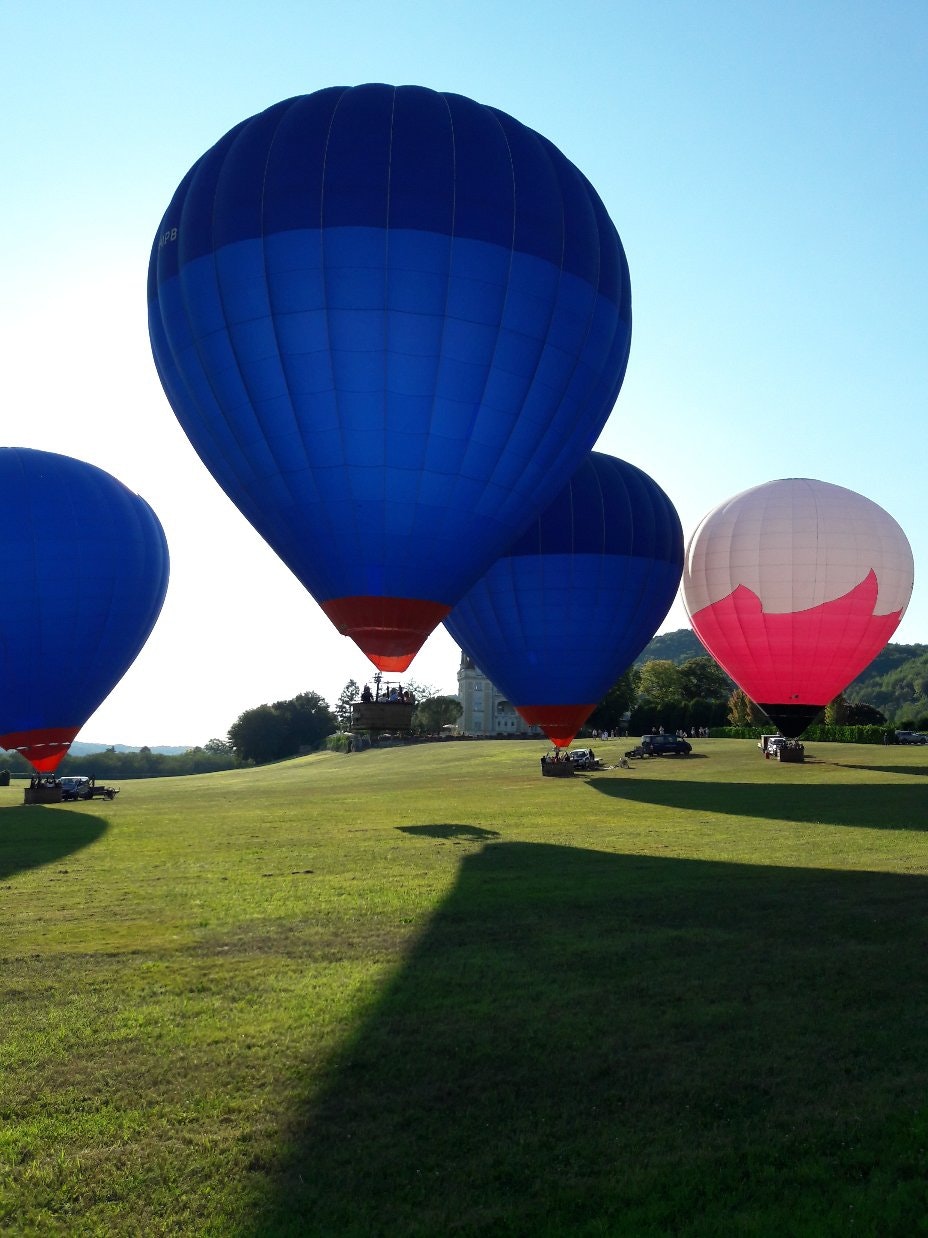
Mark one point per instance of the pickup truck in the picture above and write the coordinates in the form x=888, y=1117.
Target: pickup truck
x=79, y=787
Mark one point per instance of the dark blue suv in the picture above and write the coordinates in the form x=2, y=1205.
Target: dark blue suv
x=665, y=746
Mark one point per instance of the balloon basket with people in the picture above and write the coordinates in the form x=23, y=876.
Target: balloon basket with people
x=561, y=763
x=387, y=707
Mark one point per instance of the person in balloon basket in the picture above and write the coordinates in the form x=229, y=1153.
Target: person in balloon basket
x=367, y=695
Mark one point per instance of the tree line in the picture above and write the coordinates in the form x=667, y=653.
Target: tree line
x=689, y=693
x=259, y=736
x=660, y=693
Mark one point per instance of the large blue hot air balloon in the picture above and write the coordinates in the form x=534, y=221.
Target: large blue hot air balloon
x=567, y=609
x=392, y=322
x=84, y=565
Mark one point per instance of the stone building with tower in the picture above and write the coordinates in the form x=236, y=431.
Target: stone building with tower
x=485, y=710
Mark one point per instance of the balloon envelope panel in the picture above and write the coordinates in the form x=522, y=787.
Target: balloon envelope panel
x=795, y=587
x=85, y=571
x=559, y=617
x=391, y=322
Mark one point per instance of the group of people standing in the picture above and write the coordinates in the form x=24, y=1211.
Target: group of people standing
x=396, y=693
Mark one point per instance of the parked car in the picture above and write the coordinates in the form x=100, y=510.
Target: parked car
x=583, y=758
x=665, y=746
x=911, y=737
x=771, y=745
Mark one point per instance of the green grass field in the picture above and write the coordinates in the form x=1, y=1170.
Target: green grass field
x=424, y=991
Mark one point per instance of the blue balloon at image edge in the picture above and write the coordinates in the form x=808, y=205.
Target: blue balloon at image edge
x=392, y=323
x=85, y=571
x=567, y=609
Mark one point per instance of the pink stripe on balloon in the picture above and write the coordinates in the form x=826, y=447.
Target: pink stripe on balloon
x=806, y=657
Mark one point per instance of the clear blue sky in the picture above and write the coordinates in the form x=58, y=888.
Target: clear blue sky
x=764, y=162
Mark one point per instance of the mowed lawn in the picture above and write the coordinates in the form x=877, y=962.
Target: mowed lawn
x=423, y=991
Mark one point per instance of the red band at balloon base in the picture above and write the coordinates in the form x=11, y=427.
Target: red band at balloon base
x=559, y=722
x=390, y=631
x=43, y=748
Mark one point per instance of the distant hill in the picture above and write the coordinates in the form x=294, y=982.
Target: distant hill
x=677, y=647
x=895, y=682
x=80, y=749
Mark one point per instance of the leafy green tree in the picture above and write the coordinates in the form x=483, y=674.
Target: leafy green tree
x=420, y=691
x=660, y=681
x=350, y=693
x=617, y=702
x=836, y=712
x=259, y=735
x=700, y=712
x=438, y=711
x=646, y=716
x=863, y=714
x=703, y=679
x=112, y=765
x=284, y=729
x=221, y=747
x=309, y=720
x=743, y=712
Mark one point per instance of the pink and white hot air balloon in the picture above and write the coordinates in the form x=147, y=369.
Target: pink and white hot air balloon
x=794, y=587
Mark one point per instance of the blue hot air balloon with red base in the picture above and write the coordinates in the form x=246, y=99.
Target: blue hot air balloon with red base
x=84, y=564
x=392, y=323
x=567, y=609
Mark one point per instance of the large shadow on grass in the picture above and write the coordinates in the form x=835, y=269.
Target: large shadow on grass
x=877, y=807
x=584, y=1043
x=31, y=836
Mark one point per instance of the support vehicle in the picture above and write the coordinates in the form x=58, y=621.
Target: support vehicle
x=79, y=787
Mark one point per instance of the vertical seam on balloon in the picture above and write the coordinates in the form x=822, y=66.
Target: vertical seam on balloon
x=444, y=320
x=558, y=447
x=769, y=498
x=746, y=644
x=478, y=407
x=822, y=562
x=99, y=638
x=221, y=303
x=634, y=619
x=255, y=419
x=179, y=374
x=733, y=583
x=82, y=613
x=829, y=672
x=29, y=491
x=566, y=448
x=254, y=517
x=328, y=324
x=522, y=602
x=133, y=510
x=543, y=344
x=386, y=590
x=286, y=476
